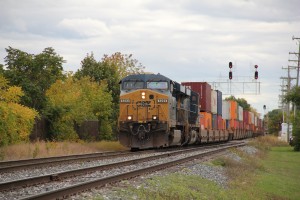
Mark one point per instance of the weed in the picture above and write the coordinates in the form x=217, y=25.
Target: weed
x=35, y=151
x=2, y=154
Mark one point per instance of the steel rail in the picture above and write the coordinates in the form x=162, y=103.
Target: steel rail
x=64, y=174
x=8, y=166
x=65, y=192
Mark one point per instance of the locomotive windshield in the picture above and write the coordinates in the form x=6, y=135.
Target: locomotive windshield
x=133, y=85
x=157, y=85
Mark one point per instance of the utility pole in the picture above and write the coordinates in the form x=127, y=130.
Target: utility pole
x=288, y=85
x=298, y=61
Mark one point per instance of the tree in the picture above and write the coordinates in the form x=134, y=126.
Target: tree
x=294, y=96
x=72, y=101
x=16, y=121
x=110, y=69
x=34, y=73
x=274, y=121
x=243, y=103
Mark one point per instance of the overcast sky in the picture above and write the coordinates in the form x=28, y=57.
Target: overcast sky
x=184, y=40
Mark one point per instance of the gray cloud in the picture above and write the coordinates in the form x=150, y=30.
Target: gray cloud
x=184, y=40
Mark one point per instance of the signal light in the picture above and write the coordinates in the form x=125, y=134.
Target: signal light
x=256, y=75
x=255, y=66
x=230, y=75
x=230, y=65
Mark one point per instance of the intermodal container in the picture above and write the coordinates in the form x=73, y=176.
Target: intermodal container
x=204, y=90
x=246, y=116
x=214, y=121
x=205, y=120
x=246, y=126
x=226, y=110
x=219, y=102
x=234, y=124
x=220, y=122
x=233, y=109
x=241, y=125
x=251, y=118
x=214, y=97
x=227, y=124
x=251, y=127
x=240, y=113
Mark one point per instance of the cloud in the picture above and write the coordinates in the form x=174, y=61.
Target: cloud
x=183, y=40
x=85, y=27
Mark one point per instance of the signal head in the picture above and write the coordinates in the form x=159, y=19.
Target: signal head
x=230, y=75
x=256, y=75
x=230, y=65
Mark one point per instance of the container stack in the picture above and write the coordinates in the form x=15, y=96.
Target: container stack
x=226, y=107
x=205, y=94
x=219, y=110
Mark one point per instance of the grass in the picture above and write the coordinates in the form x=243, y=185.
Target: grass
x=282, y=180
x=273, y=173
x=46, y=149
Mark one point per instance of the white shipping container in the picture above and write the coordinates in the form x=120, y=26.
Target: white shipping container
x=240, y=113
x=214, y=97
x=226, y=109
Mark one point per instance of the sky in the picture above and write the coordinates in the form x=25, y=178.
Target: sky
x=185, y=40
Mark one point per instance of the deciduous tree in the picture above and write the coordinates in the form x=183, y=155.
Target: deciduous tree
x=16, y=121
x=34, y=73
x=72, y=101
x=294, y=97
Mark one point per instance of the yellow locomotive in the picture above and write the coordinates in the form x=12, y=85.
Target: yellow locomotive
x=156, y=112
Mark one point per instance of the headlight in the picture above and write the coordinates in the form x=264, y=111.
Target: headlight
x=129, y=117
x=124, y=100
x=154, y=117
x=143, y=95
x=162, y=100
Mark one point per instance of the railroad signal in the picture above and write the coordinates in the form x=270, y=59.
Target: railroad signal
x=230, y=65
x=256, y=75
x=256, y=72
x=230, y=75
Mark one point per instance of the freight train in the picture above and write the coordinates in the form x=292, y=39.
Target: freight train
x=156, y=111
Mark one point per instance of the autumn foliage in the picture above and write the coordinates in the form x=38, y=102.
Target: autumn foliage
x=16, y=120
x=72, y=101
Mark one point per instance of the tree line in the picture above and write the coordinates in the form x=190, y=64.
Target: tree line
x=33, y=86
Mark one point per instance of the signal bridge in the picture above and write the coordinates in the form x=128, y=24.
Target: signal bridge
x=242, y=85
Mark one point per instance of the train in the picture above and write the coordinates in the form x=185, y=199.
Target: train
x=157, y=112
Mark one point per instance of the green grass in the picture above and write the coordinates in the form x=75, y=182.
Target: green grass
x=274, y=175
x=282, y=179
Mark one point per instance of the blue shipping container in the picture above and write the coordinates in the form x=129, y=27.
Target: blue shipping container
x=227, y=124
x=214, y=122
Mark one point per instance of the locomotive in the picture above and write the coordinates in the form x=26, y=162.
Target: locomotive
x=156, y=111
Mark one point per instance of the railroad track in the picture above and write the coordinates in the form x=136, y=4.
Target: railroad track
x=7, y=166
x=114, y=172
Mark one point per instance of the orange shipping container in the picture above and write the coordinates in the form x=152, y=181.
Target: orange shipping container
x=233, y=109
x=234, y=124
x=205, y=120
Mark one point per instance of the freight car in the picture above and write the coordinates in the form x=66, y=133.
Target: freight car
x=156, y=111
